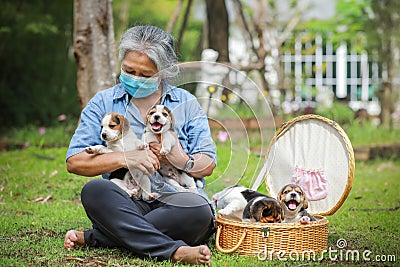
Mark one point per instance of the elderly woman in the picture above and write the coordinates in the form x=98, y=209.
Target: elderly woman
x=175, y=225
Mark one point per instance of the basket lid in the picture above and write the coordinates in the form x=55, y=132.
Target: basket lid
x=315, y=153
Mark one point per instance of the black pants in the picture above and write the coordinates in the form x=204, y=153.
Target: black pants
x=154, y=229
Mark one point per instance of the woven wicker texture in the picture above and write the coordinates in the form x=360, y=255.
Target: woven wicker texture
x=310, y=142
x=250, y=239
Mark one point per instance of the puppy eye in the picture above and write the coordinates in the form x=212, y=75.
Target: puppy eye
x=112, y=126
x=165, y=114
x=286, y=192
x=151, y=112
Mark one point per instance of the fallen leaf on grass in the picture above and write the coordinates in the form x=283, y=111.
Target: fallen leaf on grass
x=75, y=259
x=53, y=173
x=89, y=263
x=42, y=199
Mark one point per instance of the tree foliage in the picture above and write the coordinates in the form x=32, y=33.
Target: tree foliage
x=158, y=13
x=37, y=81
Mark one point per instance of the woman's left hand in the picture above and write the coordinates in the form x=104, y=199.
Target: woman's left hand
x=203, y=164
x=177, y=157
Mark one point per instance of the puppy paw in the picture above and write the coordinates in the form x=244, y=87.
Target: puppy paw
x=182, y=189
x=224, y=212
x=90, y=150
x=164, y=151
x=143, y=146
x=304, y=220
x=153, y=196
x=193, y=190
x=199, y=184
x=133, y=192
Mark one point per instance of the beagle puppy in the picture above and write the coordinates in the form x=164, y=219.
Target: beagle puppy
x=230, y=202
x=159, y=129
x=261, y=208
x=241, y=203
x=119, y=137
x=294, y=203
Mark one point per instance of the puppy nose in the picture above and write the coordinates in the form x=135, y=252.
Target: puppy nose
x=104, y=135
x=156, y=117
x=293, y=194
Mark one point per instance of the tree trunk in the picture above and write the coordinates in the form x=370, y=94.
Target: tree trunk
x=183, y=25
x=94, y=47
x=174, y=17
x=218, y=28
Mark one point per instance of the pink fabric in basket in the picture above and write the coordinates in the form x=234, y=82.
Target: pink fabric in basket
x=313, y=183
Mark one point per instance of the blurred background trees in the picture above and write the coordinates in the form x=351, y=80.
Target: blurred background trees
x=38, y=72
x=38, y=79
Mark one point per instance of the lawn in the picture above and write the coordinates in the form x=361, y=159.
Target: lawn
x=39, y=202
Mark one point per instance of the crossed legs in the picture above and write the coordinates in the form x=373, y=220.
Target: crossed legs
x=172, y=228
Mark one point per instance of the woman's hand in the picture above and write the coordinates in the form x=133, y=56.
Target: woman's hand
x=176, y=157
x=203, y=164
x=144, y=160
x=96, y=164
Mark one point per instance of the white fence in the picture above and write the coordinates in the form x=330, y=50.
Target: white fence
x=350, y=76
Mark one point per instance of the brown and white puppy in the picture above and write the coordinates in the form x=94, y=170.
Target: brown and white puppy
x=243, y=204
x=230, y=202
x=177, y=178
x=119, y=137
x=294, y=203
x=261, y=208
x=160, y=129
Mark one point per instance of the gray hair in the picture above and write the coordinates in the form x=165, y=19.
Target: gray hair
x=157, y=44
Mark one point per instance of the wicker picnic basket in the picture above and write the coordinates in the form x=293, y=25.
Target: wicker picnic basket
x=313, y=143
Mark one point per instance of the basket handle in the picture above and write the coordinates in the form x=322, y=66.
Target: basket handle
x=227, y=251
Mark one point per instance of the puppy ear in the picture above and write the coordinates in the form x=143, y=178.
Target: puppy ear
x=171, y=116
x=148, y=115
x=305, y=205
x=279, y=195
x=126, y=125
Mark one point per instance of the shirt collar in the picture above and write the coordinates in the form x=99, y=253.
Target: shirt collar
x=119, y=92
x=168, y=93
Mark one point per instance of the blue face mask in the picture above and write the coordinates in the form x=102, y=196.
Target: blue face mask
x=136, y=86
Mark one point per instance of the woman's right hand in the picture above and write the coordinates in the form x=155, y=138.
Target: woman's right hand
x=144, y=160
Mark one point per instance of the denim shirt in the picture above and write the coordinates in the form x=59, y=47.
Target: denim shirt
x=191, y=124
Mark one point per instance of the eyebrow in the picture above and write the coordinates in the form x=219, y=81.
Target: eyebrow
x=145, y=72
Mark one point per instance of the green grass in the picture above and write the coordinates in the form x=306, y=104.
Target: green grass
x=32, y=233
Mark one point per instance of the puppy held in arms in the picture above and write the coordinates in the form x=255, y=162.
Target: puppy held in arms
x=119, y=137
x=294, y=203
x=159, y=129
x=241, y=203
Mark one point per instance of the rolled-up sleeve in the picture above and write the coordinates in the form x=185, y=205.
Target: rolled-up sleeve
x=88, y=131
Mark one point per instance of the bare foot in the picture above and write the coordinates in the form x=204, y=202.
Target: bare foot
x=74, y=239
x=192, y=255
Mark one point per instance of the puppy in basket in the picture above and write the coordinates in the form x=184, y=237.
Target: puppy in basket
x=159, y=129
x=119, y=137
x=241, y=203
x=294, y=203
